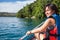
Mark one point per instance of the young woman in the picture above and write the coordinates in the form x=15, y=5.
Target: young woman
x=48, y=31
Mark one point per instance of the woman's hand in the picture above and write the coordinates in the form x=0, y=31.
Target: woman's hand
x=29, y=32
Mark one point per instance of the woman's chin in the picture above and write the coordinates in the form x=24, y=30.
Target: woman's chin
x=47, y=16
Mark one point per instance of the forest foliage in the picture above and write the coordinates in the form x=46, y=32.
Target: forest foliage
x=36, y=9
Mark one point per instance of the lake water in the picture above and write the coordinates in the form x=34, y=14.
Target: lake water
x=12, y=28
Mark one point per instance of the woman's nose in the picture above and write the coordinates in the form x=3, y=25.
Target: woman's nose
x=46, y=12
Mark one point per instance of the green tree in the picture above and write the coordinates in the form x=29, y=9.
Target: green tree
x=36, y=9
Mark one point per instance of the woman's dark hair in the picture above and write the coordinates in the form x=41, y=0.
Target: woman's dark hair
x=53, y=7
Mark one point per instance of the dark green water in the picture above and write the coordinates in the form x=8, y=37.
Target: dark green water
x=12, y=28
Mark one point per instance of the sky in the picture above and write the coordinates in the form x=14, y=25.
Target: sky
x=13, y=6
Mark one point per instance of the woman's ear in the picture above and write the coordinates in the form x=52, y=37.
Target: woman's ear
x=53, y=11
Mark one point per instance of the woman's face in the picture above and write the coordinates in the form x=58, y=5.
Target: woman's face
x=48, y=11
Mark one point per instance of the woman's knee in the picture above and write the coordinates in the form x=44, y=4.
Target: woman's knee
x=36, y=34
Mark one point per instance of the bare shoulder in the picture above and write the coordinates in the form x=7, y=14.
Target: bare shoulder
x=51, y=20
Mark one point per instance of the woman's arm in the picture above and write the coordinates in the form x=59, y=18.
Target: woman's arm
x=47, y=23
